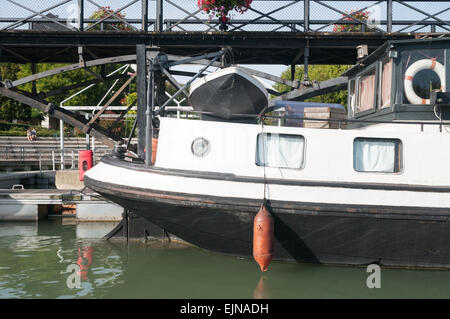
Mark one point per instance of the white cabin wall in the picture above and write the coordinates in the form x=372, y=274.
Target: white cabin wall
x=329, y=153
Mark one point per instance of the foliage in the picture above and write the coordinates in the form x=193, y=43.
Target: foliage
x=129, y=99
x=318, y=73
x=40, y=131
x=359, y=15
x=5, y=126
x=36, y=114
x=91, y=96
x=221, y=8
x=11, y=110
x=104, y=12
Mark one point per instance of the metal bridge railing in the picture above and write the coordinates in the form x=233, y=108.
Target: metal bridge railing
x=263, y=16
x=11, y=156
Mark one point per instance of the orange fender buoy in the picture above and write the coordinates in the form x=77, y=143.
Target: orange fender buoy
x=263, y=238
x=154, y=149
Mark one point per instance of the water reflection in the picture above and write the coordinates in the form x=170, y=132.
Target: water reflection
x=34, y=261
x=84, y=260
x=262, y=289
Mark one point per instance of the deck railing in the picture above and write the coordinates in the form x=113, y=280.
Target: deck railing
x=263, y=16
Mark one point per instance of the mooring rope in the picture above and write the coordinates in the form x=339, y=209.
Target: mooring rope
x=264, y=155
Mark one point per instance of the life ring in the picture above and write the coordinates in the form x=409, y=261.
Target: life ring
x=425, y=64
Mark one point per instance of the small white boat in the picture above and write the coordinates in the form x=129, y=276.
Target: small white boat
x=229, y=94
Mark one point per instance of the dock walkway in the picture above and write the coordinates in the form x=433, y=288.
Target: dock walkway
x=16, y=152
x=35, y=204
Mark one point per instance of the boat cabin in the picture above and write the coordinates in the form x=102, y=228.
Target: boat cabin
x=401, y=80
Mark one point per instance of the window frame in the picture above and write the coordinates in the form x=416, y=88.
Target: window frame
x=386, y=59
x=374, y=66
x=277, y=167
x=399, y=154
x=351, y=97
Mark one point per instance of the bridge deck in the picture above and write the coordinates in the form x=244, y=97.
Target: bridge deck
x=24, y=46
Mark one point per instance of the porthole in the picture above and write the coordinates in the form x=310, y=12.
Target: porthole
x=200, y=147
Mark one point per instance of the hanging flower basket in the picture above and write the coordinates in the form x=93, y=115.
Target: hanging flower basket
x=358, y=15
x=222, y=8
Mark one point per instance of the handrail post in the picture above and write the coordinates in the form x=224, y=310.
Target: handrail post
x=93, y=150
x=53, y=159
x=81, y=15
x=61, y=140
x=145, y=15
x=389, y=16
x=306, y=4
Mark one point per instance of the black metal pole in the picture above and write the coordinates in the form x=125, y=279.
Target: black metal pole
x=306, y=65
x=81, y=15
x=306, y=15
x=149, y=115
x=159, y=16
x=389, y=16
x=145, y=15
x=292, y=74
x=141, y=87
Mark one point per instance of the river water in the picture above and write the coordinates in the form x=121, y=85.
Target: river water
x=36, y=261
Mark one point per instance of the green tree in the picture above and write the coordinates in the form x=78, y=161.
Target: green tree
x=318, y=73
x=91, y=96
x=11, y=110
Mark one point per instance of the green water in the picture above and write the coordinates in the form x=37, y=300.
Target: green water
x=34, y=260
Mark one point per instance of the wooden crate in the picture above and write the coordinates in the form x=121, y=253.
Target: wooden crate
x=324, y=113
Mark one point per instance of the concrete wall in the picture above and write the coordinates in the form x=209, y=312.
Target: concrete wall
x=68, y=179
x=22, y=212
x=98, y=211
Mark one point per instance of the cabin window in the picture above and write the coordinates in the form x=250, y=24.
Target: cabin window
x=366, y=91
x=280, y=150
x=377, y=155
x=385, y=84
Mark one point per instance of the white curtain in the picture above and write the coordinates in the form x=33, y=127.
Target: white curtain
x=374, y=156
x=366, y=92
x=280, y=150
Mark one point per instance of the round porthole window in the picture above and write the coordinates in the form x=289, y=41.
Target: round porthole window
x=200, y=147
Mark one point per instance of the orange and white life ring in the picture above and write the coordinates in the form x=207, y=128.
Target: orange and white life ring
x=425, y=64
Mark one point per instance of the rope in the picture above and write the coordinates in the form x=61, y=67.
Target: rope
x=264, y=157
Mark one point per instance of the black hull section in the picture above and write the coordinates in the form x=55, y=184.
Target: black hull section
x=304, y=232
